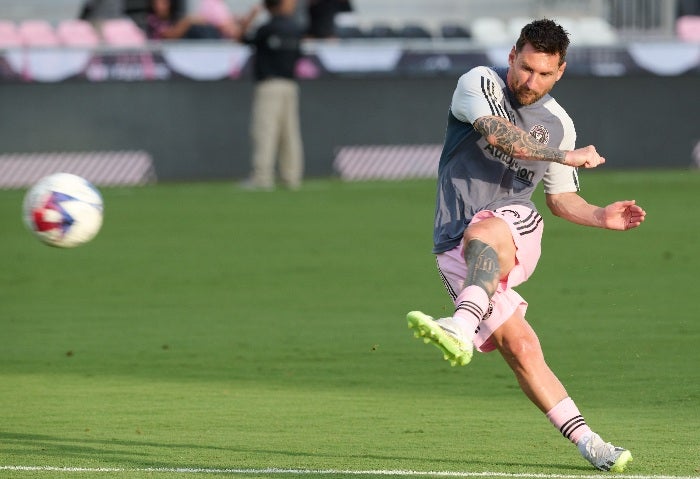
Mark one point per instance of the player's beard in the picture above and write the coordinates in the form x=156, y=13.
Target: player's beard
x=525, y=96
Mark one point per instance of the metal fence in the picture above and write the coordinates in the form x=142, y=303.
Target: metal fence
x=643, y=18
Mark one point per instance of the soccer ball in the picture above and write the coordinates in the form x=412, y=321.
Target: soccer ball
x=63, y=210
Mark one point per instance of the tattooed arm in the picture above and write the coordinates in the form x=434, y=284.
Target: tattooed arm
x=517, y=143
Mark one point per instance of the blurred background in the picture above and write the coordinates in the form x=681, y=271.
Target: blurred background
x=83, y=87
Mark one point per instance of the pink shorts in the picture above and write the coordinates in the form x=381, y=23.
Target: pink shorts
x=526, y=226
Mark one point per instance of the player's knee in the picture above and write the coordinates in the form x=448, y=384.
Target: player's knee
x=525, y=352
x=486, y=231
x=495, y=234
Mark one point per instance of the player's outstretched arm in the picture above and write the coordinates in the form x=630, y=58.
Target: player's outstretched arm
x=620, y=215
x=518, y=143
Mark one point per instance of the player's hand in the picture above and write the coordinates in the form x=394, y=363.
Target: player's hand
x=623, y=215
x=586, y=157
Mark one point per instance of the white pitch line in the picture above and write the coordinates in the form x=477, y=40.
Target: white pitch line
x=332, y=472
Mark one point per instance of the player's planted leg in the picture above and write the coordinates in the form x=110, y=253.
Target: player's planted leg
x=603, y=455
x=519, y=346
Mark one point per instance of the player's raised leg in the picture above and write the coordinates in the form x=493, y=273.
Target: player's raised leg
x=488, y=244
x=489, y=256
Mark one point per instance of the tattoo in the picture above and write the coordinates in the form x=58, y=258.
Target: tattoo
x=483, y=267
x=515, y=142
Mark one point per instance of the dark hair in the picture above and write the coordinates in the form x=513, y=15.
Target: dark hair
x=545, y=36
x=270, y=4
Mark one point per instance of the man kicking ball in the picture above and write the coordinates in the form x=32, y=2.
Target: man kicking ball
x=504, y=135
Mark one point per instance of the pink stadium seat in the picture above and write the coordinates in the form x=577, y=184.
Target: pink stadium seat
x=77, y=33
x=37, y=33
x=688, y=28
x=8, y=27
x=122, y=32
x=9, y=35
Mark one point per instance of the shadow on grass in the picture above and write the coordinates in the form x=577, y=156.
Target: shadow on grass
x=106, y=452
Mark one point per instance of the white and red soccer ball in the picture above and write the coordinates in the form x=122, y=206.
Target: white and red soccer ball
x=63, y=210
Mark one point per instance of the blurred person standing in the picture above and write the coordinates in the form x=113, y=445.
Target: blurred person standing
x=275, y=130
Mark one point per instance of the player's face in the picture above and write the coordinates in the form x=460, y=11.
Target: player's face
x=532, y=74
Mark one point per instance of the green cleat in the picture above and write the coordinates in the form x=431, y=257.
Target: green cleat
x=621, y=462
x=456, y=349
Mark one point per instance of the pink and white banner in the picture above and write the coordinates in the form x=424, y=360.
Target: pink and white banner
x=387, y=162
x=102, y=168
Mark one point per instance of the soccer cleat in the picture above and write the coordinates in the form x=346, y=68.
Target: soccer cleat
x=444, y=334
x=603, y=455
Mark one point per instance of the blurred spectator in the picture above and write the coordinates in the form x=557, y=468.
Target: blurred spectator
x=96, y=10
x=164, y=24
x=212, y=21
x=321, y=16
x=275, y=131
x=216, y=12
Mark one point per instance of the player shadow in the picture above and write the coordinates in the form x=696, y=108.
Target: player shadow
x=455, y=465
x=86, y=448
x=136, y=457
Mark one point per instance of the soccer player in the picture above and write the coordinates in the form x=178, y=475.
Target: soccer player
x=504, y=135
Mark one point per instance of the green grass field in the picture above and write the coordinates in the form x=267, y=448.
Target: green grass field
x=210, y=331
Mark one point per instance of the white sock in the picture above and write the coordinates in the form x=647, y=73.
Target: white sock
x=471, y=306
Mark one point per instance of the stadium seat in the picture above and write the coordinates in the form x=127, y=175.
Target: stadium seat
x=594, y=31
x=349, y=31
x=9, y=35
x=37, y=33
x=346, y=25
x=8, y=26
x=413, y=30
x=688, y=28
x=77, y=33
x=490, y=31
x=123, y=32
x=454, y=30
x=382, y=30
